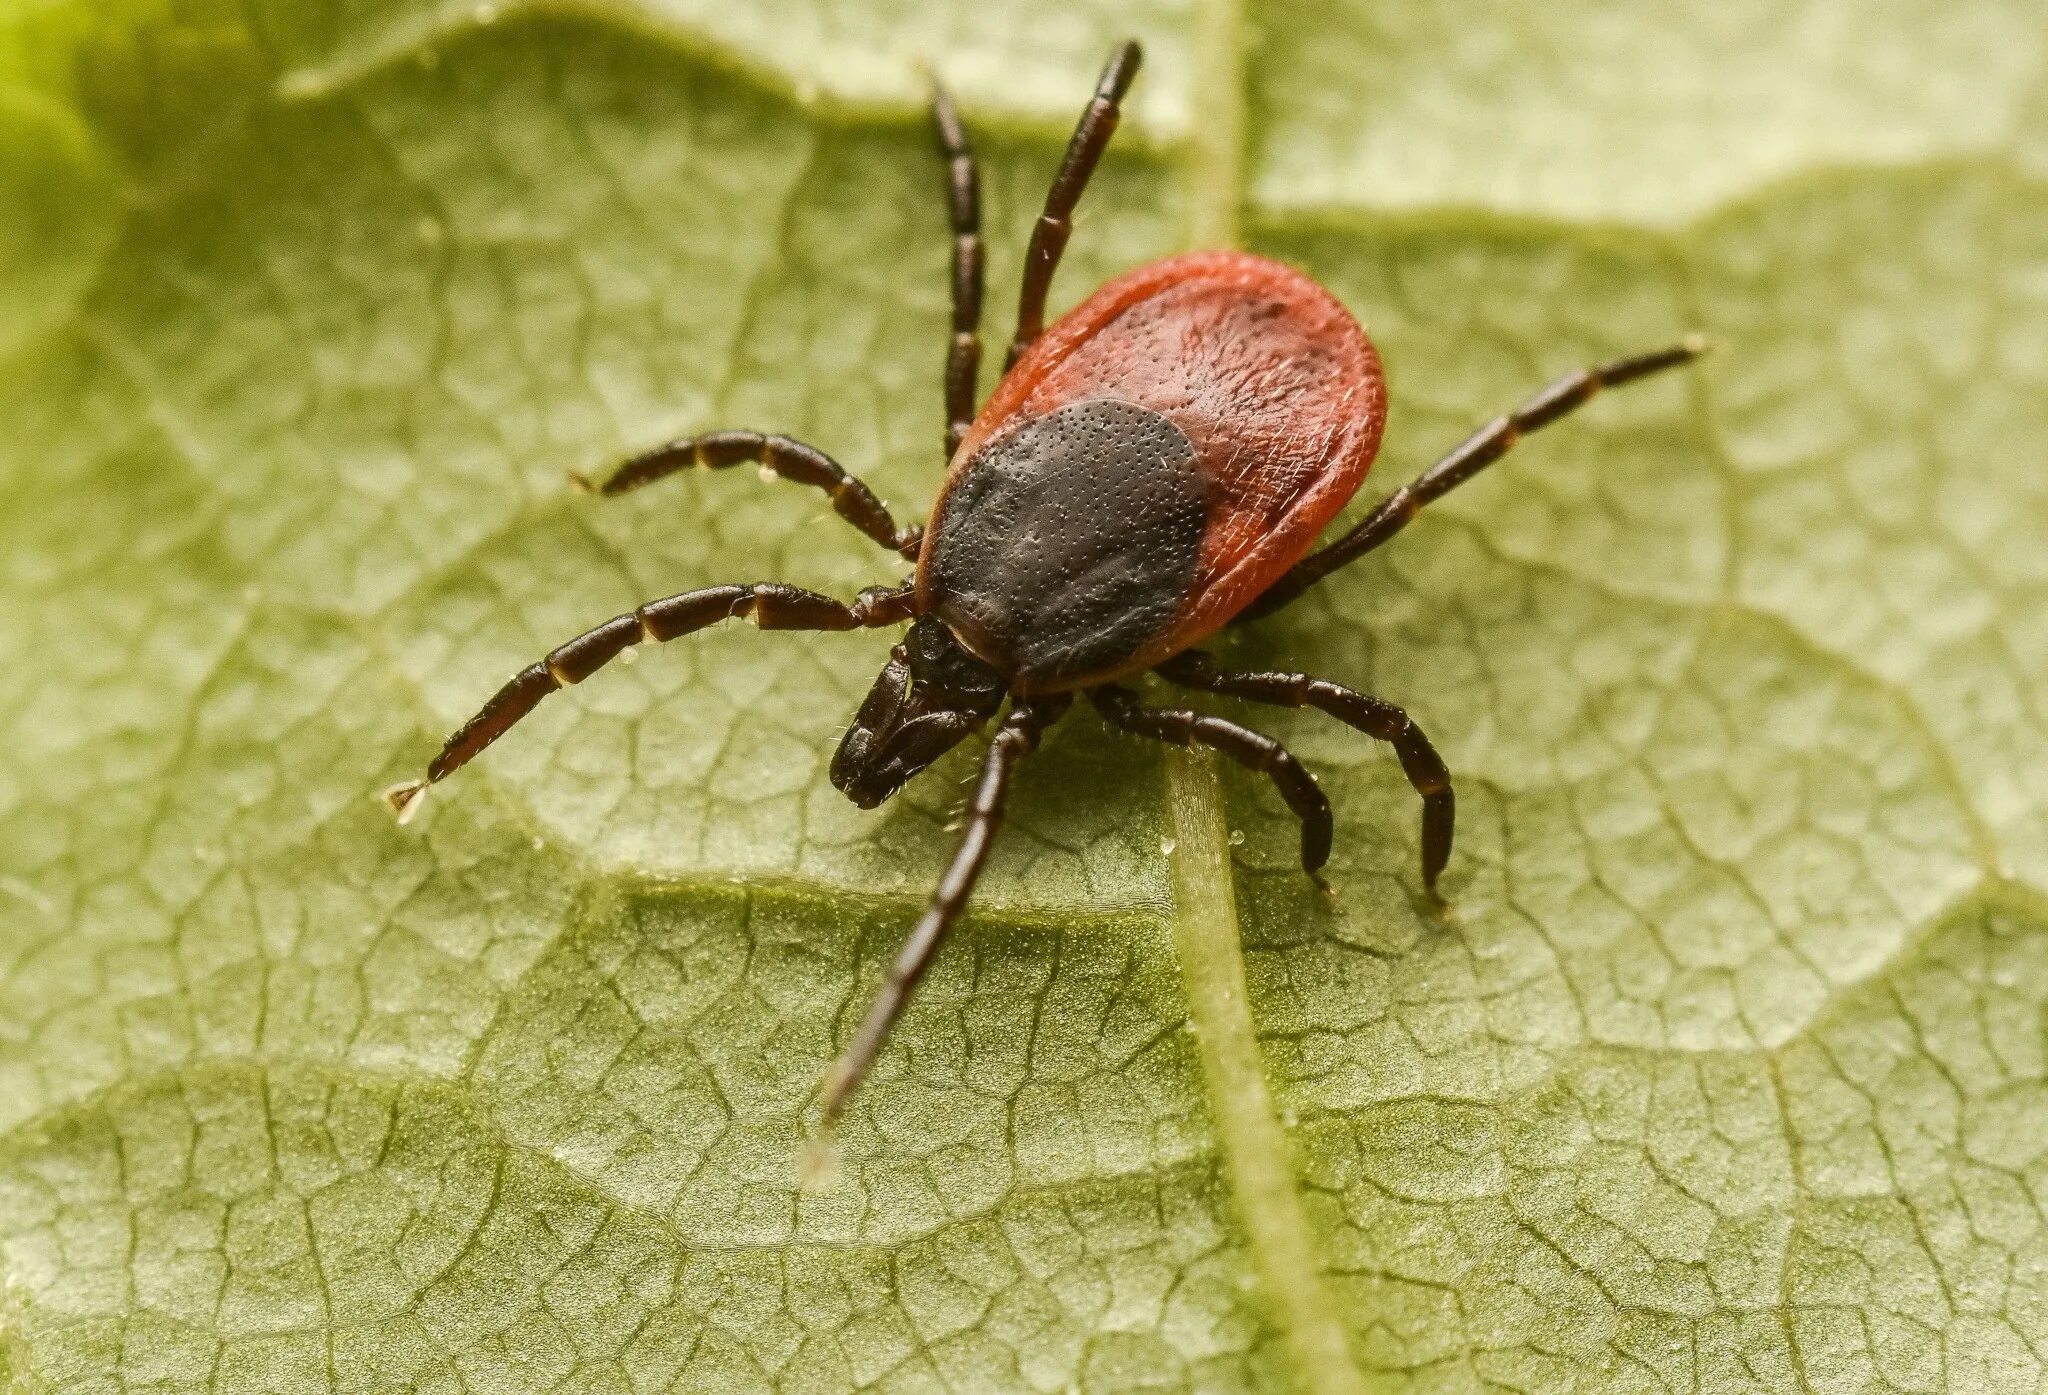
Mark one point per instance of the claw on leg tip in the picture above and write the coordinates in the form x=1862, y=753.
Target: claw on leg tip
x=818, y=1168
x=405, y=799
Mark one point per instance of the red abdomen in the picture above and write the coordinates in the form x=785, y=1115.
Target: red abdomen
x=1274, y=386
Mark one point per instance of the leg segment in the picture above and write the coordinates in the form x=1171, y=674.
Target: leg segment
x=1486, y=445
x=770, y=605
x=1015, y=739
x=1056, y=224
x=1243, y=745
x=963, y=192
x=851, y=499
x=1381, y=720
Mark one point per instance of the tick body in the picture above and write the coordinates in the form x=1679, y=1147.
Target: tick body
x=1161, y=456
x=1159, y=463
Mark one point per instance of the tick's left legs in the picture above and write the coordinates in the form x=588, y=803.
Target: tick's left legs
x=963, y=204
x=1484, y=446
x=1014, y=740
x=1381, y=720
x=1248, y=748
x=1056, y=224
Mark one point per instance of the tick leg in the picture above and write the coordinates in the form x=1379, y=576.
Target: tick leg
x=851, y=498
x=1373, y=716
x=1248, y=748
x=771, y=605
x=963, y=202
x=1056, y=224
x=1479, y=450
x=1014, y=740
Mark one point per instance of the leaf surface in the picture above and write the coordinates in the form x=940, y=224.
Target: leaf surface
x=1728, y=1073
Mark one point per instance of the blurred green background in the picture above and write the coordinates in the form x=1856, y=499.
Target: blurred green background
x=1729, y=1074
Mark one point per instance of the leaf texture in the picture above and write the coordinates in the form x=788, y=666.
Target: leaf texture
x=1727, y=1073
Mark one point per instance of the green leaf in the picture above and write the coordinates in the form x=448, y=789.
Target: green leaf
x=1728, y=1071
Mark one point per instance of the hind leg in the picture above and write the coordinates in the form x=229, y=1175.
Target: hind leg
x=1479, y=450
x=1055, y=225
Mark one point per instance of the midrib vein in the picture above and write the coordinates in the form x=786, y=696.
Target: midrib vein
x=1255, y=1148
x=1256, y=1153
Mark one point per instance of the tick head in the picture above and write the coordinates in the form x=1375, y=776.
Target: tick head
x=929, y=696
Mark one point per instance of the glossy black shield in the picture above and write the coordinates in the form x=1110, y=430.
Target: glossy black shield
x=1071, y=540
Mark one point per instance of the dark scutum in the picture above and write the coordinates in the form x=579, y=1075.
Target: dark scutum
x=1071, y=541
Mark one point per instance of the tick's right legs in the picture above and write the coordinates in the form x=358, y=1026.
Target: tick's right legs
x=770, y=605
x=778, y=456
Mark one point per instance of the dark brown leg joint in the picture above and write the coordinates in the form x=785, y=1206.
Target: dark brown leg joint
x=779, y=456
x=1084, y=151
x=1475, y=453
x=771, y=605
x=1250, y=749
x=1375, y=717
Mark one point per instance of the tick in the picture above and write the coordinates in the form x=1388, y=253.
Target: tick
x=1155, y=465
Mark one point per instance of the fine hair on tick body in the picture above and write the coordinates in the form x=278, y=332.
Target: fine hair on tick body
x=1157, y=464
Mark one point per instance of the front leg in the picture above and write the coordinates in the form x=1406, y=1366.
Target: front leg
x=1373, y=716
x=1250, y=749
x=1014, y=740
x=770, y=605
